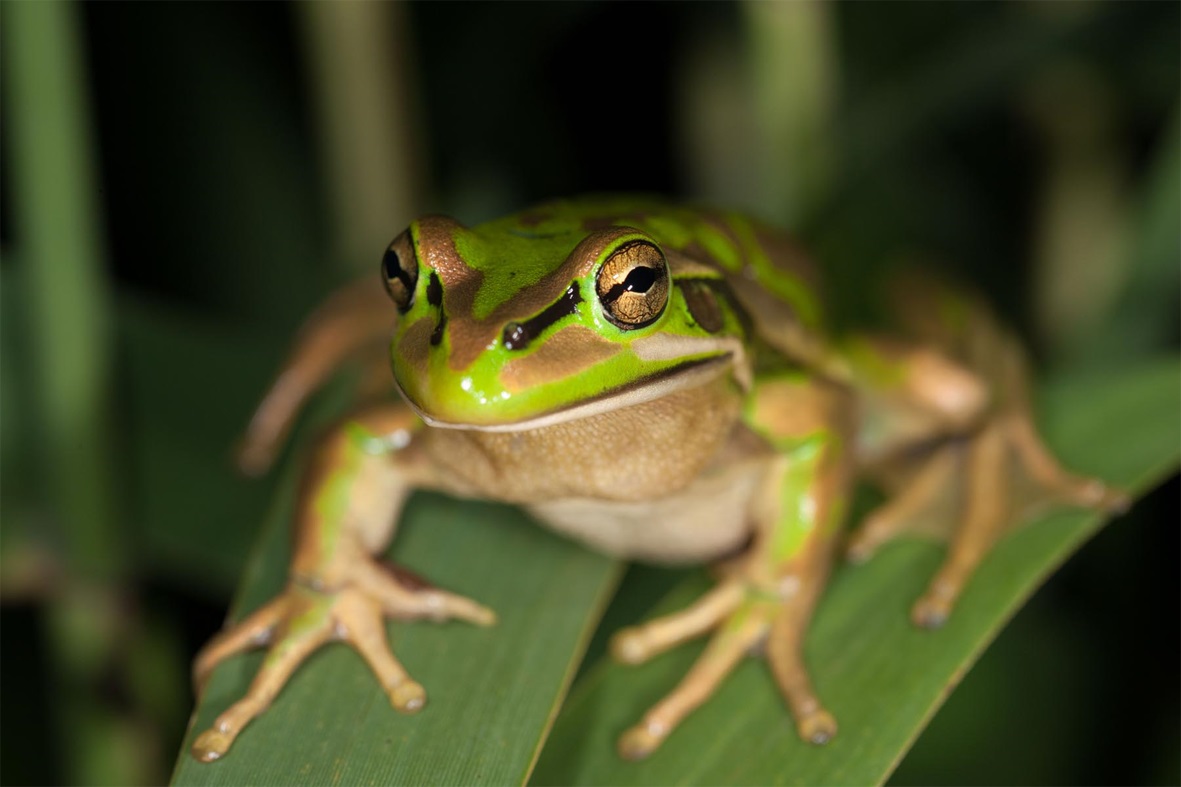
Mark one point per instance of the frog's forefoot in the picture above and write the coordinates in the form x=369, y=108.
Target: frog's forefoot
x=980, y=489
x=744, y=620
x=302, y=619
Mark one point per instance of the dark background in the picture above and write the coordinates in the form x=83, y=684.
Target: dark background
x=960, y=131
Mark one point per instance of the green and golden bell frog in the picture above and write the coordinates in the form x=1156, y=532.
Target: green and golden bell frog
x=656, y=381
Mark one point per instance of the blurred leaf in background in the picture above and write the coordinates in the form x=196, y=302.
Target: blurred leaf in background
x=181, y=183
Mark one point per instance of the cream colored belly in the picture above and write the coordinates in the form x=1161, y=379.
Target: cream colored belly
x=706, y=520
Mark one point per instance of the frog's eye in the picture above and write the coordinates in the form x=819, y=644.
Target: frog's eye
x=399, y=272
x=633, y=285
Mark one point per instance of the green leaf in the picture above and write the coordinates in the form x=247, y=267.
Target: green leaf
x=881, y=677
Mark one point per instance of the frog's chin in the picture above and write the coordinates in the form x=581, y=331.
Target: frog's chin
x=689, y=374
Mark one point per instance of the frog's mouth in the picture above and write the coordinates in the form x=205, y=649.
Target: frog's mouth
x=690, y=374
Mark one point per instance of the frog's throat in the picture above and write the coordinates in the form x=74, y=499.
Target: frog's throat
x=689, y=374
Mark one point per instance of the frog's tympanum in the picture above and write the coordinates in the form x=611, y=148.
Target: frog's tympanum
x=656, y=381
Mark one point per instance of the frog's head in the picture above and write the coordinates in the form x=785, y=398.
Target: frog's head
x=518, y=324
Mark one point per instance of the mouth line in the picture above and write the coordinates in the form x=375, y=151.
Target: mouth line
x=655, y=386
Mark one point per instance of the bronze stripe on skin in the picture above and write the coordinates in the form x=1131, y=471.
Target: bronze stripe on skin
x=413, y=346
x=564, y=354
x=461, y=283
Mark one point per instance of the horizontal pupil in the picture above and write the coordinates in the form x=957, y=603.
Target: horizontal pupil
x=640, y=280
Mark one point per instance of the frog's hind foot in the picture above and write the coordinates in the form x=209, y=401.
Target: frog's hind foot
x=302, y=619
x=744, y=621
x=972, y=492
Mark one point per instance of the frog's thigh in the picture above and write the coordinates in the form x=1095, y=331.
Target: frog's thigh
x=1008, y=475
x=986, y=498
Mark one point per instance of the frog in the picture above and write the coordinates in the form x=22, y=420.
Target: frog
x=658, y=381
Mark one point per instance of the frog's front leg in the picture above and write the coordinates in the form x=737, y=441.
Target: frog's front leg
x=767, y=596
x=352, y=494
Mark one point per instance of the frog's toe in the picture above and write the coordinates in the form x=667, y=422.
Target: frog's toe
x=640, y=741
x=211, y=745
x=308, y=624
x=1095, y=493
x=406, y=598
x=255, y=630
x=637, y=644
x=818, y=727
x=909, y=511
x=866, y=541
x=408, y=697
x=628, y=646
x=930, y=612
x=360, y=623
x=1056, y=482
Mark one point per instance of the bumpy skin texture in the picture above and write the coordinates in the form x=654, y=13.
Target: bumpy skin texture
x=688, y=347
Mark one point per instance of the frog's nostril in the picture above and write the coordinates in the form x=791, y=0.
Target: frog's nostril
x=515, y=336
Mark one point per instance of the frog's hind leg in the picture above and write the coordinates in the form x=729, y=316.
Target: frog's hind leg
x=355, y=320
x=907, y=512
x=984, y=514
x=975, y=485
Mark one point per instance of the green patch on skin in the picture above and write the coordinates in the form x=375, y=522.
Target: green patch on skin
x=332, y=501
x=785, y=286
x=666, y=230
x=953, y=312
x=367, y=441
x=509, y=262
x=799, y=509
x=870, y=365
x=478, y=396
x=331, y=504
x=720, y=247
x=518, y=251
x=309, y=619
